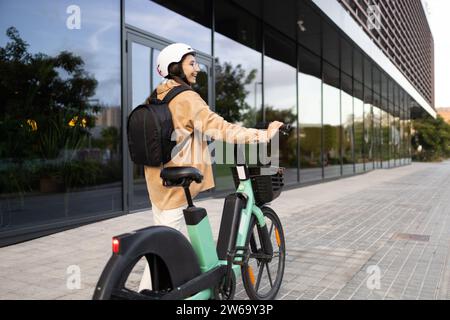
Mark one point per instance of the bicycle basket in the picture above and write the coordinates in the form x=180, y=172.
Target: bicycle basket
x=266, y=187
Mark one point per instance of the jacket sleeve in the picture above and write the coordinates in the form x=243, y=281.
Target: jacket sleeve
x=216, y=127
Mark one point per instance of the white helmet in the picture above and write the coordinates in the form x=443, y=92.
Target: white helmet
x=171, y=54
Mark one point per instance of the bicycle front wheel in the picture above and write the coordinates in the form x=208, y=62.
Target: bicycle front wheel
x=263, y=273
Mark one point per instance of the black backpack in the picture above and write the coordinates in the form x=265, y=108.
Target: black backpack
x=150, y=128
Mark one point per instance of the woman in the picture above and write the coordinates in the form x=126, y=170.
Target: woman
x=190, y=115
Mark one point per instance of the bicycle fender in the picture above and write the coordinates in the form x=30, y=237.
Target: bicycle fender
x=170, y=245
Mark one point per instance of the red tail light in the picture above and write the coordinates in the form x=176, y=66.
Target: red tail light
x=115, y=245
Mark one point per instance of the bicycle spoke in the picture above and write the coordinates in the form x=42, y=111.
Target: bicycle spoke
x=258, y=281
x=268, y=273
x=271, y=229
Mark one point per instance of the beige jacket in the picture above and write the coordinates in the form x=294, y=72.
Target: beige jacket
x=192, y=119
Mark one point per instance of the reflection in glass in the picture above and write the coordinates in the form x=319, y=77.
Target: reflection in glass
x=238, y=78
x=141, y=70
x=167, y=19
x=280, y=96
x=309, y=27
x=347, y=123
x=385, y=134
x=396, y=134
x=331, y=122
x=377, y=134
x=391, y=134
x=330, y=44
x=310, y=116
x=408, y=131
x=358, y=107
x=402, y=132
x=60, y=154
x=368, y=129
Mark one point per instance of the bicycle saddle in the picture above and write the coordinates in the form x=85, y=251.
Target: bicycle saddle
x=180, y=176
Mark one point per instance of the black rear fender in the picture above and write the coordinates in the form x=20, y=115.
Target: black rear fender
x=163, y=246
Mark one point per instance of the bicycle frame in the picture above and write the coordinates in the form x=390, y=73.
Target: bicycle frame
x=202, y=240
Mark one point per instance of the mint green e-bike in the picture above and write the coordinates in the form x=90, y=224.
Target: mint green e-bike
x=251, y=243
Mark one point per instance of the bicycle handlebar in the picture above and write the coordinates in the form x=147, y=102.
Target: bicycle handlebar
x=284, y=129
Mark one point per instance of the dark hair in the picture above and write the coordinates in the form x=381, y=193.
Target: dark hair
x=176, y=70
x=176, y=73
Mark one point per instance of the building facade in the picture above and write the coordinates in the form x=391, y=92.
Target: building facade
x=72, y=73
x=400, y=29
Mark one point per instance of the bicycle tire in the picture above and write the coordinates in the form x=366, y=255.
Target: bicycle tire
x=253, y=244
x=116, y=288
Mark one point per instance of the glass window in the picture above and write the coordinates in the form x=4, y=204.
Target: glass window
x=368, y=73
x=390, y=90
x=358, y=109
x=396, y=134
x=61, y=157
x=280, y=91
x=347, y=123
x=391, y=131
x=376, y=80
x=280, y=17
x=385, y=133
x=376, y=119
x=175, y=20
x=402, y=127
x=141, y=69
x=398, y=126
x=408, y=129
x=254, y=7
x=310, y=116
x=238, y=77
x=346, y=57
x=358, y=65
x=368, y=129
x=331, y=121
x=309, y=25
x=330, y=44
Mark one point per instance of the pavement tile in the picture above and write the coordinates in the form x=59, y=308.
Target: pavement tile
x=336, y=233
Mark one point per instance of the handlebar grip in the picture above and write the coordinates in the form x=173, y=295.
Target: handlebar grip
x=284, y=129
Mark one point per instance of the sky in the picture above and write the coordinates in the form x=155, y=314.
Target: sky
x=438, y=14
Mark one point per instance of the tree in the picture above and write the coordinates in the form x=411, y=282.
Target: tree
x=230, y=90
x=45, y=105
x=433, y=135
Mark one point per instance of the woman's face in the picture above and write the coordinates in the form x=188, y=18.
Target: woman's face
x=190, y=68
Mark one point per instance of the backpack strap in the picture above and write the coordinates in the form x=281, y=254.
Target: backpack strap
x=174, y=92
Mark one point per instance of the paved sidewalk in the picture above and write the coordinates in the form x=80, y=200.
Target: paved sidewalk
x=381, y=235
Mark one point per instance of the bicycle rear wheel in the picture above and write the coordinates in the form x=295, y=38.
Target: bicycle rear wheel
x=124, y=277
x=262, y=275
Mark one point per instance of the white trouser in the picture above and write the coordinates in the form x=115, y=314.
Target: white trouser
x=171, y=218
